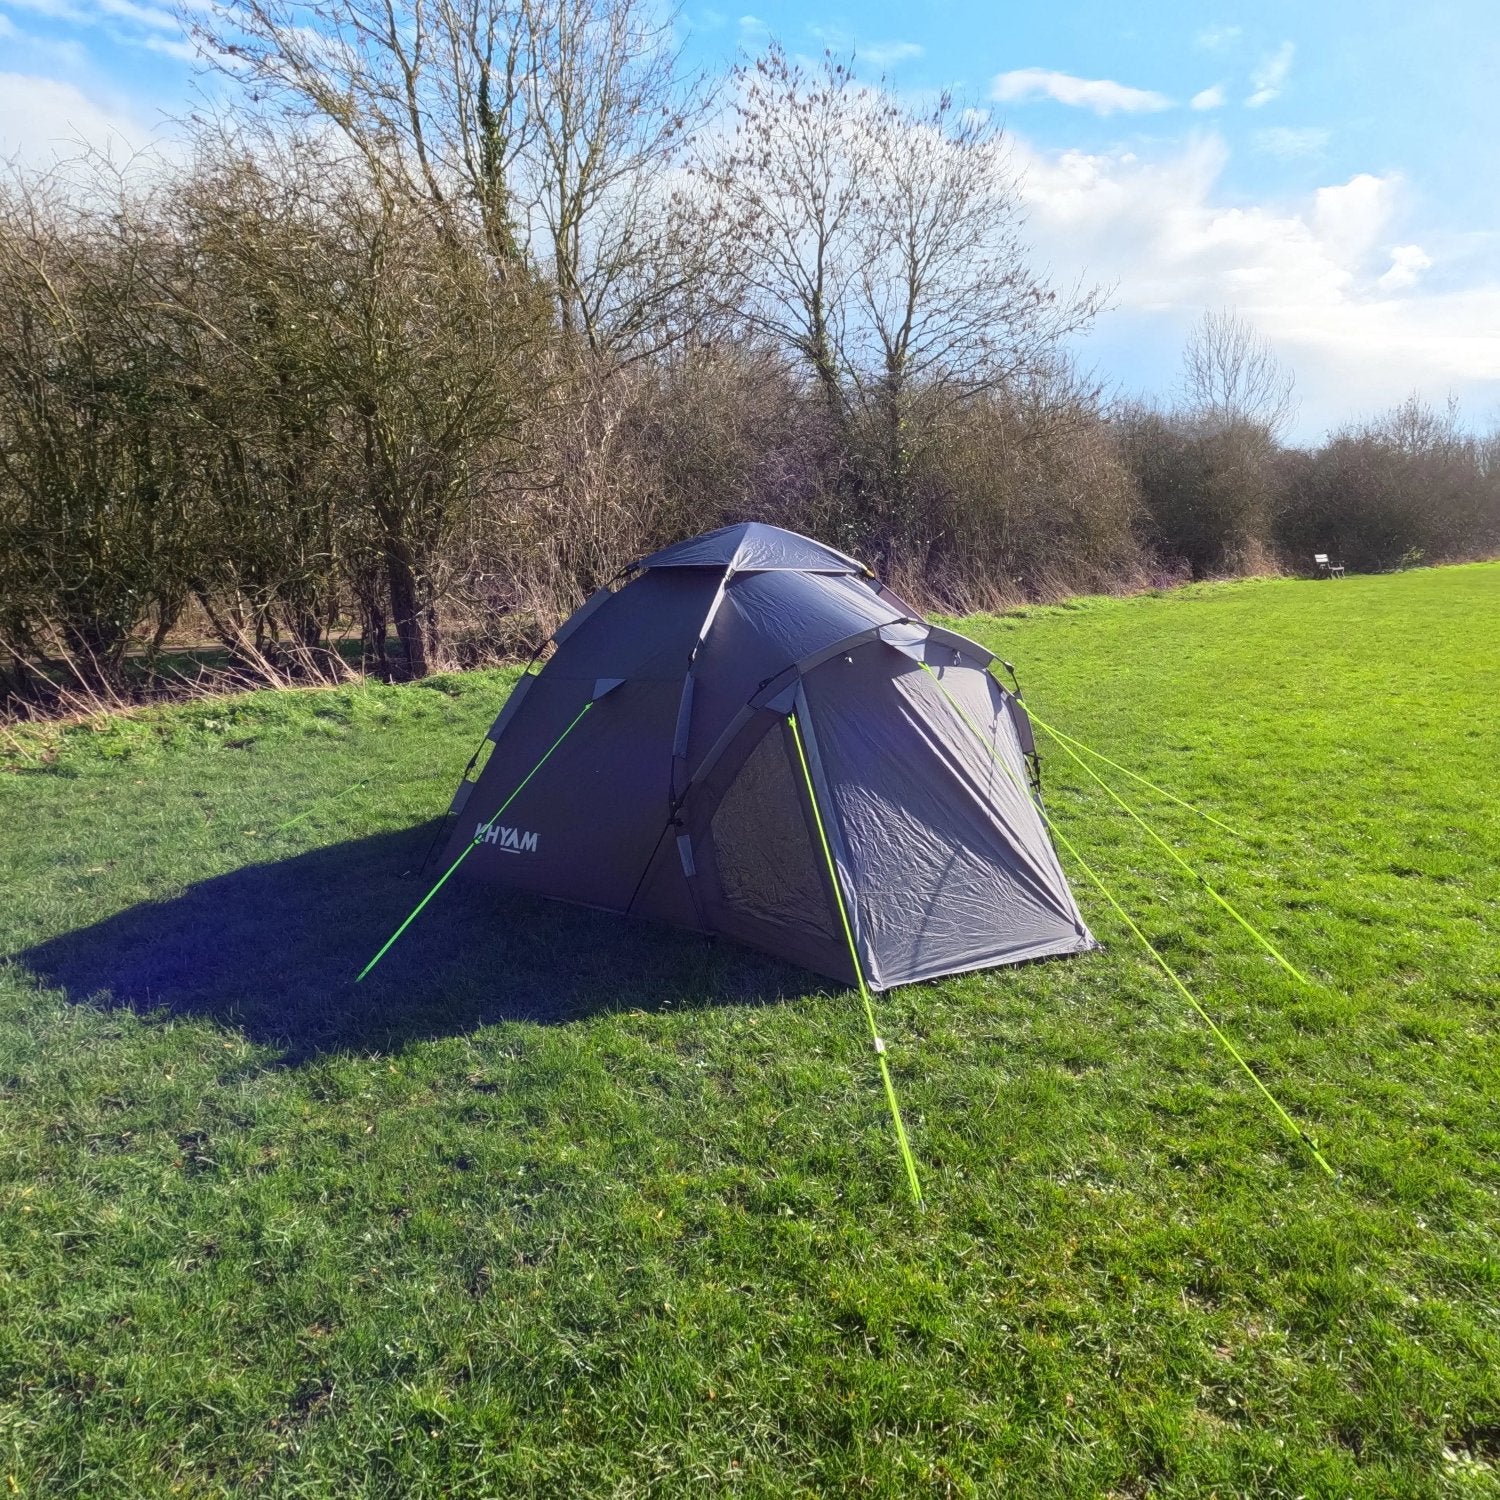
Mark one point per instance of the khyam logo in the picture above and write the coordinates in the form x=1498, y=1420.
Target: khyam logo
x=511, y=840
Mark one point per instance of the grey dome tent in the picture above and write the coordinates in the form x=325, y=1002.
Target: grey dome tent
x=748, y=713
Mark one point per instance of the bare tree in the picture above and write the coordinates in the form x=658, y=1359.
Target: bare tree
x=608, y=104
x=882, y=246
x=438, y=366
x=270, y=535
x=429, y=93
x=788, y=183
x=1413, y=485
x=945, y=296
x=554, y=122
x=1230, y=375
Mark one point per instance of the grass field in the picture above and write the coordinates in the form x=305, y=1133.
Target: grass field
x=556, y=1204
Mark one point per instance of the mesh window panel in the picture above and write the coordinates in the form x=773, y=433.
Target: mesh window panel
x=763, y=852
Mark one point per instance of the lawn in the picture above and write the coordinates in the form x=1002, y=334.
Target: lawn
x=557, y=1204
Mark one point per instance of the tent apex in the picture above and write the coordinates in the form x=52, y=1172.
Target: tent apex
x=754, y=547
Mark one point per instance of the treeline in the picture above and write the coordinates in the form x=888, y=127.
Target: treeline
x=460, y=309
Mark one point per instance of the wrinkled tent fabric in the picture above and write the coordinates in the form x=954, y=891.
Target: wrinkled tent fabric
x=680, y=796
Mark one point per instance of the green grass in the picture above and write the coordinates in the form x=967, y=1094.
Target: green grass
x=556, y=1204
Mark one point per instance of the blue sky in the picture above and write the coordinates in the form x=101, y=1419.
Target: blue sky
x=1328, y=168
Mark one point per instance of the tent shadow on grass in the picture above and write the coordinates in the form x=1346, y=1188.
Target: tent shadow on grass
x=272, y=950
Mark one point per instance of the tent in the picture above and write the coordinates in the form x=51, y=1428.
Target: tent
x=752, y=736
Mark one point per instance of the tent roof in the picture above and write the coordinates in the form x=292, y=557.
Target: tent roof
x=752, y=547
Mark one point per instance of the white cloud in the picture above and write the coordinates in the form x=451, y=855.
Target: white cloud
x=1269, y=78
x=1209, y=98
x=753, y=26
x=43, y=120
x=178, y=47
x=1289, y=143
x=1350, y=218
x=1407, y=264
x=126, y=23
x=1217, y=38
x=887, y=54
x=876, y=54
x=142, y=15
x=54, y=10
x=1308, y=274
x=1102, y=95
x=47, y=56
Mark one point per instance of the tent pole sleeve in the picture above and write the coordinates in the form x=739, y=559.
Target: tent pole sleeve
x=470, y=846
x=1067, y=739
x=1223, y=901
x=859, y=973
x=685, y=705
x=1145, y=942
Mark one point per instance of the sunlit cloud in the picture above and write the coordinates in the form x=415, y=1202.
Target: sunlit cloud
x=1407, y=264
x=875, y=54
x=1218, y=38
x=142, y=15
x=1101, y=95
x=887, y=54
x=1289, y=143
x=178, y=47
x=1269, y=78
x=45, y=120
x=1315, y=275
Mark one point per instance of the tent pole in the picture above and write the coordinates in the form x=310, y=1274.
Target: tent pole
x=469, y=848
x=859, y=973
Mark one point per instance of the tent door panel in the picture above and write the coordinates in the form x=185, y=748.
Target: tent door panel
x=948, y=858
x=761, y=875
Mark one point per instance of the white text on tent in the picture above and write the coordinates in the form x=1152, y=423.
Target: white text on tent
x=512, y=840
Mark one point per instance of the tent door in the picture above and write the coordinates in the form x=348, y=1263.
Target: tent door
x=761, y=875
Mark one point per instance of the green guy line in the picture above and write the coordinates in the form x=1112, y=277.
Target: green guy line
x=859, y=973
x=322, y=802
x=1146, y=943
x=469, y=848
x=1160, y=791
x=1254, y=932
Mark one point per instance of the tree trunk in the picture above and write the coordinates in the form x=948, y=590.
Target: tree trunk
x=370, y=590
x=168, y=609
x=413, y=613
x=17, y=689
x=372, y=629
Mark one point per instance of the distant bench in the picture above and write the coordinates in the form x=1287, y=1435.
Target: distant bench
x=1325, y=568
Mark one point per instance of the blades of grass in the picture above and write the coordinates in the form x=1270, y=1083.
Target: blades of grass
x=1145, y=942
x=322, y=802
x=1062, y=738
x=1223, y=901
